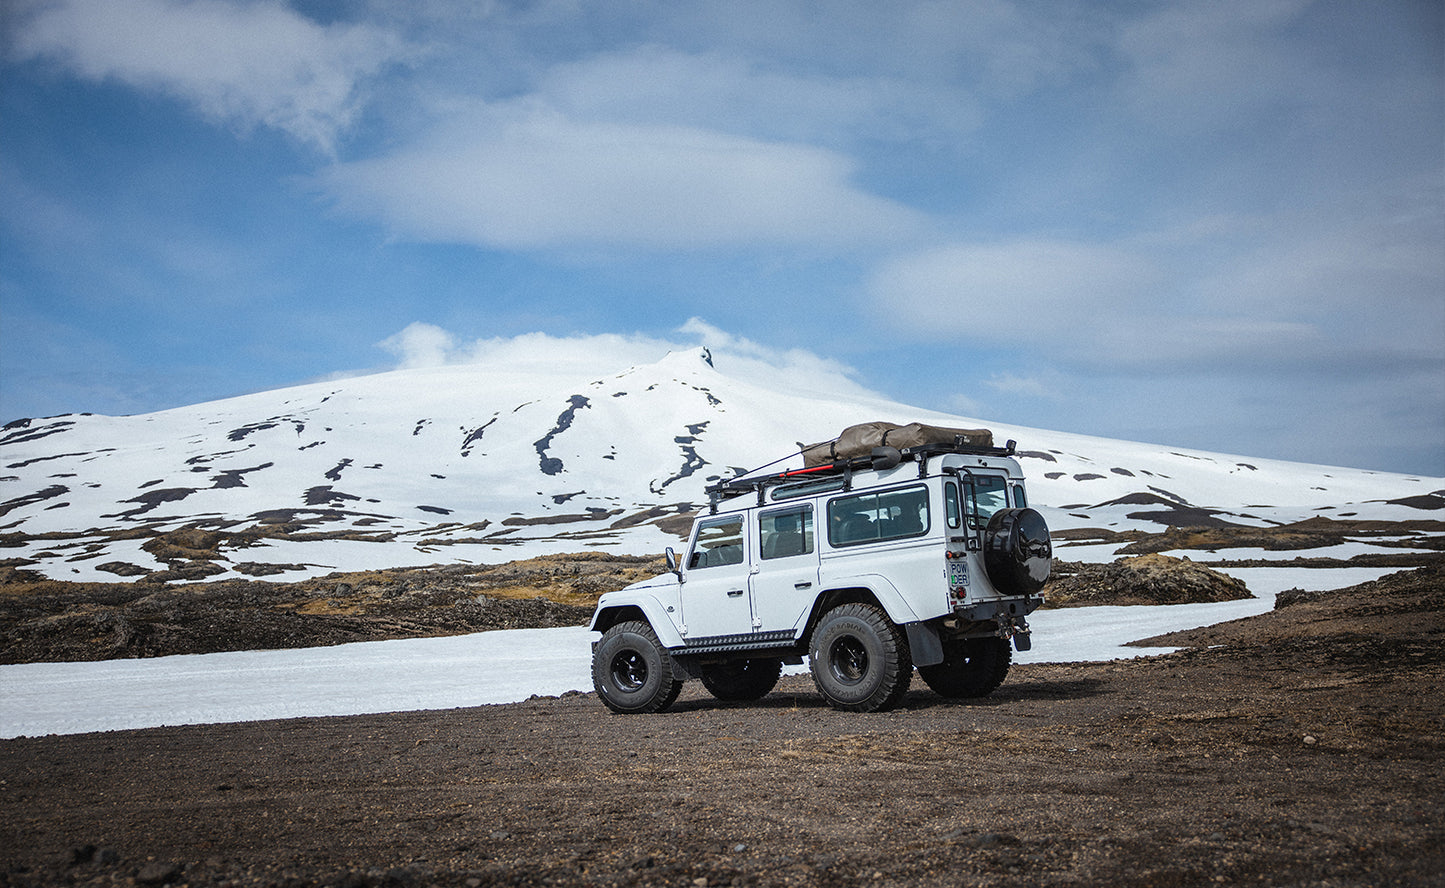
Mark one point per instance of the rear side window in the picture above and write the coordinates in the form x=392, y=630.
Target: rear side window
x=786, y=532
x=873, y=517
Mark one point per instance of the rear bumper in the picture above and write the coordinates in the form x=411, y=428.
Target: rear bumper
x=985, y=611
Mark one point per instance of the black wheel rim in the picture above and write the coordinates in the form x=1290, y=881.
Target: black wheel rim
x=629, y=670
x=848, y=660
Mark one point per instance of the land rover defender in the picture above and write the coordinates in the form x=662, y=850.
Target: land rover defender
x=868, y=564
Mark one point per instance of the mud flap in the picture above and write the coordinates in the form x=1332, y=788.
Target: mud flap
x=1016, y=629
x=684, y=667
x=924, y=644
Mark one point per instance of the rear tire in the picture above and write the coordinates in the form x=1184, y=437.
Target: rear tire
x=860, y=660
x=973, y=667
x=741, y=679
x=631, y=670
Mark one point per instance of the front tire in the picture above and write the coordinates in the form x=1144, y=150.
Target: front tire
x=860, y=660
x=632, y=672
x=974, y=667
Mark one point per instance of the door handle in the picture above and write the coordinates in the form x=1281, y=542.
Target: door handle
x=802, y=585
x=735, y=593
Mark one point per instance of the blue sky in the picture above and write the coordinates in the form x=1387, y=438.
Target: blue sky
x=1216, y=224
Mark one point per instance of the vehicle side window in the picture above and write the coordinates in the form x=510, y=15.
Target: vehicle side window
x=718, y=542
x=786, y=532
x=951, y=505
x=871, y=517
x=1020, y=501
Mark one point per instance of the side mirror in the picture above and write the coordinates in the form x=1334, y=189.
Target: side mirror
x=672, y=563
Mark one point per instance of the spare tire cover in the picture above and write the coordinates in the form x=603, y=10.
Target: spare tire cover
x=1016, y=551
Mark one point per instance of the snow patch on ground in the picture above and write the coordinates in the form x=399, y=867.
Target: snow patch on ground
x=488, y=667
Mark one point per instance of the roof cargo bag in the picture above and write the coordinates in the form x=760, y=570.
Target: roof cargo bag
x=859, y=440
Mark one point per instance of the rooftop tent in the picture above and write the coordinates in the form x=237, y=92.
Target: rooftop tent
x=860, y=439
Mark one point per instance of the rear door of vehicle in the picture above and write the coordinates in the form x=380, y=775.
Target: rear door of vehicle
x=785, y=569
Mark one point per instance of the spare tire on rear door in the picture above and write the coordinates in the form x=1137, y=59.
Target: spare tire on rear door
x=1016, y=551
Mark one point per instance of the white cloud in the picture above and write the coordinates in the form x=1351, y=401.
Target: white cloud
x=735, y=93
x=1192, y=64
x=1008, y=292
x=421, y=345
x=427, y=345
x=1011, y=385
x=239, y=63
x=1102, y=306
x=804, y=371
x=523, y=177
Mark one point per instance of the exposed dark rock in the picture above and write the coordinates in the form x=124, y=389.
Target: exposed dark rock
x=152, y=499
x=243, y=431
x=472, y=437
x=38, y=496
x=186, y=571
x=592, y=514
x=1036, y=454
x=323, y=495
x=257, y=569
x=187, y=543
x=1429, y=501
x=123, y=569
x=229, y=478
x=1147, y=579
x=1295, y=596
x=551, y=465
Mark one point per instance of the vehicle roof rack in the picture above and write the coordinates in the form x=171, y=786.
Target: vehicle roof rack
x=881, y=459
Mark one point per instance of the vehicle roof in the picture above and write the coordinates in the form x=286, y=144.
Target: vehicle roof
x=746, y=496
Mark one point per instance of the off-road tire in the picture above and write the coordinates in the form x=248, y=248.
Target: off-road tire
x=859, y=659
x=741, y=679
x=973, y=667
x=632, y=672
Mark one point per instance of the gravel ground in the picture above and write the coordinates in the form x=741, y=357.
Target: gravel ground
x=1301, y=747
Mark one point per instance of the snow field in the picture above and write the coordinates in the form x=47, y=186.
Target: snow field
x=505, y=666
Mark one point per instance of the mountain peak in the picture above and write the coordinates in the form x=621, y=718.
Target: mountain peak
x=495, y=459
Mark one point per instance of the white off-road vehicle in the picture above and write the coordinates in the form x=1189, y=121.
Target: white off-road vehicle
x=921, y=555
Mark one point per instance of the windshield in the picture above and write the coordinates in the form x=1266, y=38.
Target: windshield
x=718, y=543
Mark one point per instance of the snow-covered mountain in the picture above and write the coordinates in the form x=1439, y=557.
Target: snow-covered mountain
x=504, y=459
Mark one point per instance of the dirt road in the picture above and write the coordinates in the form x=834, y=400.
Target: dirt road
x=1302, y=747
